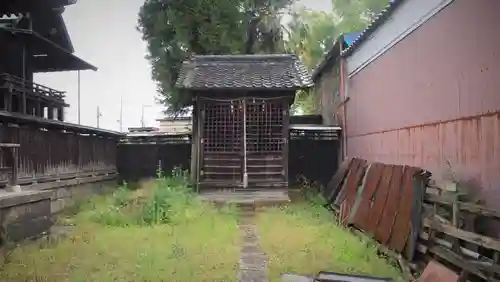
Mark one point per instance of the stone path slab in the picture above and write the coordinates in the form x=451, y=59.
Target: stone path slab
x=253, y=261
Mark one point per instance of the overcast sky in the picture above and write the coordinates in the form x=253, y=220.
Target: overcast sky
x=104, y=34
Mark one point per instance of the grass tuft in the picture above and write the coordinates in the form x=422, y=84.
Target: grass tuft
x=303, y=238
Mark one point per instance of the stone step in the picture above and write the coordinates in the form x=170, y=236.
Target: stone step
x=252, y=276
x=253, y=261
x=251, y=248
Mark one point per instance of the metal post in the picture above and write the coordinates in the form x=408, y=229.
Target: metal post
x=121, y=113
x=79, y=98
x=142, y=116
x=98, y=116
x=143, y=123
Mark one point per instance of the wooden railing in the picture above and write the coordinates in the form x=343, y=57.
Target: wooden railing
x=52, y=150
x=30, y=87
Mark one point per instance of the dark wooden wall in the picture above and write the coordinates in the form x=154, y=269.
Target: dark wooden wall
x=43, y=151
x=141, y=157
x=312, y=156
x=314, y=160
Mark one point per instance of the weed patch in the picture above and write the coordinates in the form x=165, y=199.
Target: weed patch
x=304, y=238
x=160, y=232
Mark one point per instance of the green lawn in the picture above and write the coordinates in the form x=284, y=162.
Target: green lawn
x=303, y=238
x=161, y=232
x=137, y=236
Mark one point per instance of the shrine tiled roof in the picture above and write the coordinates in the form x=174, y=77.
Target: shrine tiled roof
x=251, y=72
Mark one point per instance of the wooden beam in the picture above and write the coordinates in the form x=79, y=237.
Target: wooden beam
x=9, y=145
x=471, y=237
x=459, y=261
x=468, y=207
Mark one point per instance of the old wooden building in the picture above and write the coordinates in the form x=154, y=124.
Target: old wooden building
x=34, y=39
x=36, y=144
x=241, y=117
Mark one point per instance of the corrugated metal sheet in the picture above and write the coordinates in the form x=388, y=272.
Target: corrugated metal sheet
x=388, y=218
x=434, y=98
x=385, y=201
x=361, y=213
x=403, y=223
x=471, y=146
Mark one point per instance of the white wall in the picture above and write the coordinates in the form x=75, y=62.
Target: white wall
x=177, y=126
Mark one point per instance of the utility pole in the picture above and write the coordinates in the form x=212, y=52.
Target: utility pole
x=121, y=112
x=142, y=114
x=79, y=98
x=99, y=115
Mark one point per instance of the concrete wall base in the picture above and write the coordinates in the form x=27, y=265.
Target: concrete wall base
x=30, y=213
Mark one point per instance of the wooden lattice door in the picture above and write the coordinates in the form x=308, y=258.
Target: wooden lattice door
x=266, y=137
x=244, y=143
x=221, y=142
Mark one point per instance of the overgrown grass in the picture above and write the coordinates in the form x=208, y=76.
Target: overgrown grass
x=159, y=232
x=303, y=238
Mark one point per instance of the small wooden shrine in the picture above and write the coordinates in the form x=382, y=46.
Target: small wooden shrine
x=241, y=117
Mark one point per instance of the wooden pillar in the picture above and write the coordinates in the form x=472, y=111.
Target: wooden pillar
x=8, y=99
x=23, y=109
x=38, y=109
x=15, y=163
x=11, y=148
x=194, y=144
x=30, y=107
x=50, y=111
x=286, y=138
x=24, y=106
x=60, y=113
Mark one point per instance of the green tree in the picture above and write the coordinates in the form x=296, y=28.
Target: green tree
x=176, y=29
x=354, y=15
x=311, y=34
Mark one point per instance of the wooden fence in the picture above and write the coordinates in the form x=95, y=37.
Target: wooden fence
x=35, y=150
x=313, y=155
x=142, y=156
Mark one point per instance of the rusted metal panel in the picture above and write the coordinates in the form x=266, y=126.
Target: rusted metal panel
x=333, y=188
x=385, y=226
x=361, y=214
x=350, y=174
x=349, y=191
x=455, y=78
x=435, y=271
x=379, y=200
x=445, y=99
x=384, y=201
x=473, y=154
x=402, y=226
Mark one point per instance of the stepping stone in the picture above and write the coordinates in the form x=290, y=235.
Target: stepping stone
x=253, y=261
